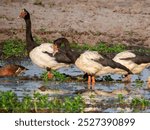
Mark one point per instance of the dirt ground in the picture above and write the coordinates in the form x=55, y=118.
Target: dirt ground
x=82, y=21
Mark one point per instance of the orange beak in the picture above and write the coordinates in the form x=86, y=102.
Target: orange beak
x=22, y=14
x=55, y=48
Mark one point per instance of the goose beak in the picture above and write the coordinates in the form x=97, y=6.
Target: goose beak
x=55, y=48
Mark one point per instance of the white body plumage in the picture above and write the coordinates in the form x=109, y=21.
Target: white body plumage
x=135, y=68
x=87, y=63
x=44, y=60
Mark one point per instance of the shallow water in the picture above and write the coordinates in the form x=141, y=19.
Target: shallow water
x=106, y=91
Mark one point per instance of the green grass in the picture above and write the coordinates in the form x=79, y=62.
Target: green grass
x=9, y=102
x=38, y=40
x=13, y=48
x=100, y=47
x=17, y=47
x=143, y=50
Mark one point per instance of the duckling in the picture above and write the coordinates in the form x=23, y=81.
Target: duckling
x=90, y=62
x=11, y=70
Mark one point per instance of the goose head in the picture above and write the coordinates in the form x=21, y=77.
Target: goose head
x=59, y=43
x=24, y=14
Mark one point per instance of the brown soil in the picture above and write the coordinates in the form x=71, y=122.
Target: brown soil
x=82, y=21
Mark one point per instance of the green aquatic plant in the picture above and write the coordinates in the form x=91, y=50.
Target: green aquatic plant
x=44, y=76
x=140, y=103
x=9, y=102
x=139, y=82
x=40, y=101
x=68, y=104
x=13, y=47
x=75, y=104
x=26, y=104
x=121, y=99
x=57, y=76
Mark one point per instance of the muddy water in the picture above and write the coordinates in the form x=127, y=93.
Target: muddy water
x=102, y=98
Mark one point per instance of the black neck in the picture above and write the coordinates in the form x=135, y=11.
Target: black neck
x=72, y=55
x=29, y=39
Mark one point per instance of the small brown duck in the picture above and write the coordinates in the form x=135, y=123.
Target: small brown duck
x=11, y=70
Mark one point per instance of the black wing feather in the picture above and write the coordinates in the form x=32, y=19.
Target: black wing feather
x=109, y=62
x=60, y=57
x=138, y=59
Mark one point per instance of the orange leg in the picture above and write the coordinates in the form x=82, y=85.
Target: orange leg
x=89, y=81
x=93, y=82
x=49, y=75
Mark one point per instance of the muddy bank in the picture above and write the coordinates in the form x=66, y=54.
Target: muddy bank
x=82, y=21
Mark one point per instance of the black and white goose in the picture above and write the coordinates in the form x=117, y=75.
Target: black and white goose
x=135, y=62
x=41, y=55
x=90, y=62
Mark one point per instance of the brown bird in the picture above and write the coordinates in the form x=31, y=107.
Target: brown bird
x=11, y=70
